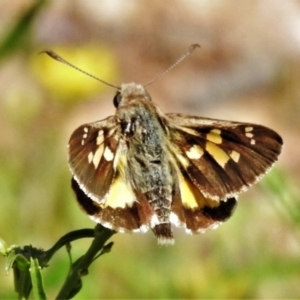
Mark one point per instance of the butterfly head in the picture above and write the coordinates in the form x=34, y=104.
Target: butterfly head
x=130, y=92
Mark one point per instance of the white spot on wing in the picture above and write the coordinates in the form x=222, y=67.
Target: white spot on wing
x=97, y=156
x=175, y=220
x=90, y=157
x=143, y=229
x=154, y=221
x=194, y=152
x=84, y=136
x=235, y=155
x=249, y=135
x=108, y=154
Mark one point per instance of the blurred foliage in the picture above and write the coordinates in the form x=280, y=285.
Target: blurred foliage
x=17, y=37
x=253, y=255
x=27, y=263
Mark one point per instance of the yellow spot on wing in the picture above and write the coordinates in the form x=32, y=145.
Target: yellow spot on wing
x=249, y=134
x=235, y=156
x=194, y=152
x=120, y=195
x=187, y=195
x=100, y=138
x=217, y=153
x=214, y=136
x=191, y=197
x=248, y=129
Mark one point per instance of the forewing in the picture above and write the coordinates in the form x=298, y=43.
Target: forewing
x=92, y=155
x=222, y=158
x=98, y=163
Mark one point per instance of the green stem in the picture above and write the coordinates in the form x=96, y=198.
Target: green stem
x=79, y=268
x=68, y=238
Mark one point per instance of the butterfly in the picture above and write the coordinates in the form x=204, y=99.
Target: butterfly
x=142, y=169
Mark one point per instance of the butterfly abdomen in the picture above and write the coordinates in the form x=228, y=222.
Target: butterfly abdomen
x=149, y=170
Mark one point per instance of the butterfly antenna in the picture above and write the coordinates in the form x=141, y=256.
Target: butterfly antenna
x=55, y=56
x=178, y=61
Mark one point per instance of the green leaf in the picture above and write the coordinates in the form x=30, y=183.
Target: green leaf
x=18, y=35
x=3, y=247
x=36, y=279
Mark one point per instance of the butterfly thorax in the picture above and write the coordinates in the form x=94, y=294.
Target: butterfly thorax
x=144, y=147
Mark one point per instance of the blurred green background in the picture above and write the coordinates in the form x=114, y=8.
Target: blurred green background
x=246, y=70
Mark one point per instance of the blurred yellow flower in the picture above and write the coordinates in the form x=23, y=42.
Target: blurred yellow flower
x=67, y=84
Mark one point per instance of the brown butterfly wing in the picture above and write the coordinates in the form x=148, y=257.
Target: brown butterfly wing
x=222, y=158
x=92, y=152
x=97, y=162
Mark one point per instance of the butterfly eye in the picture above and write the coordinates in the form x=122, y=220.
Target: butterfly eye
x=117, y=99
